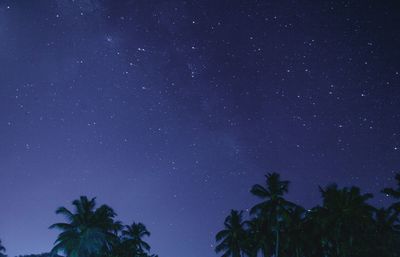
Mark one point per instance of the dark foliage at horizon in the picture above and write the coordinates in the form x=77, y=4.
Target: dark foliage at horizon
x=94, y=232
x=40, y=255
x=344, y=225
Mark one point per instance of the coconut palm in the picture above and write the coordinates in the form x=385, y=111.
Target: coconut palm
x=2, y=250
x=231, y=240
x=274, y=206
x=133, y=242
x=89, y=232
x=294, y=230
x=385, y=234
x=344, y=217
x=388, y=223
x=259, y=238
x=314, y=241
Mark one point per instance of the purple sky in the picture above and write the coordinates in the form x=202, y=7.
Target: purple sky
x=168, y=111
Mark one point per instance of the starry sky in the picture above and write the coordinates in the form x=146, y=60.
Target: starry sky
x=169, y=111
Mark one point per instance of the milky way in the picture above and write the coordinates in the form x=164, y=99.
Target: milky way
x=169, y=111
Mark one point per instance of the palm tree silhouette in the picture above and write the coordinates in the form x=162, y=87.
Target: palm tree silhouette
x=89, y=232
x=259, y=238
x=294, y=232
x=343, y=217
x=385, y=233
x=344, y=225
x=132, y=237
x=273, y=207
x=232, y=238
x=314, y=241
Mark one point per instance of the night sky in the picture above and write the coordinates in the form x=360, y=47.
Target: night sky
x=169, y=111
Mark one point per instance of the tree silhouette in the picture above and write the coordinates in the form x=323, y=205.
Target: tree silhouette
x=259, y=237
x=133, y=242
x=343, y=218
x=274, y=207
x=294, y=232
x=344, y=225
x=385, y=233
x=90, y=232
x=233, y=237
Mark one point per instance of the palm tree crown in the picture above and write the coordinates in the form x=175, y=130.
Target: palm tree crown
x=344, y=225
x=232, y=238
x=132, y=237
x=274, y=208
x=89, y=232
x=343, y=217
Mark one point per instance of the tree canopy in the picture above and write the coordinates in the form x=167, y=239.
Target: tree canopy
x=91, y=231
x=345, y=224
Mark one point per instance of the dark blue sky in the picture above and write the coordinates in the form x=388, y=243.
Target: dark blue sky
x=169, y=111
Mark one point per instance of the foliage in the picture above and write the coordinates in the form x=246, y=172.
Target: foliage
x=39, y=255
x=94, y=232
x=232, y=238
x=344, y=225
x=131, y=242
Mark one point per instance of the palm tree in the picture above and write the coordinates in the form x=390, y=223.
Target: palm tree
x=133, y=242
x=388, y=223
x=233, y=237
x=259, y=238
x=2, y=250
x=89, y=232
x=313, y=244
x=344, y=218
x=294, y=232
x=385, y=234
x=273, y=206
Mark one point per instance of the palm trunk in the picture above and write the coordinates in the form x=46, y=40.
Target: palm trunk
x=277, y=242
